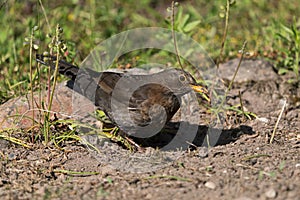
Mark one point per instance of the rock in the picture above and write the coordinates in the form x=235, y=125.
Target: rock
x=271, y=193
x=17, y=112
x=202, y=152
x=250, y=70
x=210, y=185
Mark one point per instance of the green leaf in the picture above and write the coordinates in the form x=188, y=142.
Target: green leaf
x=287, y=29
x=282, y=71
x=190, y=26
x=283, y=37
x=183, y=22
x=178, y=17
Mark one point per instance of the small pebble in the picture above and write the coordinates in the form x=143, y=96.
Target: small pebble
x=210, y=185
x=202, y=152
x=263, y=119
x=11, y=156
x=271, y=193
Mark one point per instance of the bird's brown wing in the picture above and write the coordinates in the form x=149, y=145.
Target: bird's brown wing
x=153, y=103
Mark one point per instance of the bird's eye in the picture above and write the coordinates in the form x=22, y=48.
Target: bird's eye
x=182, y=78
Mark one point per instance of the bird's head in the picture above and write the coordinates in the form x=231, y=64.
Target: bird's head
x=182, y=82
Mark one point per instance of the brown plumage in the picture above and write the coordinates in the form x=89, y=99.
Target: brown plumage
x=132, y=101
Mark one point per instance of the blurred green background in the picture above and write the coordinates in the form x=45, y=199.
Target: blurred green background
x=88, y=22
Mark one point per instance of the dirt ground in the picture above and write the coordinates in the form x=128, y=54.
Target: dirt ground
x=243, y=165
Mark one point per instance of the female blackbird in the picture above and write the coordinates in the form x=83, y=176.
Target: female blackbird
x=134, y=102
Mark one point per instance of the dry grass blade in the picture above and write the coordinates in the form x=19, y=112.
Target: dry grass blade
x=5, y=134
x=277, y=122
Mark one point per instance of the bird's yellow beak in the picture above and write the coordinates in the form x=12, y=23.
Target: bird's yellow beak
x=202, y=90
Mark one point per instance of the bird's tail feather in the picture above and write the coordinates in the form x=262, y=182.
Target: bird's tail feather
x=64, y=67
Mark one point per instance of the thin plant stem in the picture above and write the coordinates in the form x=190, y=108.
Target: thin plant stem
x=224, y=33
x=218, y=110
x=47, y=115
x=238, y=67
x=174, y=35
x=220, y=56
x=45, y=15
x=54, y=82
x=31, y=77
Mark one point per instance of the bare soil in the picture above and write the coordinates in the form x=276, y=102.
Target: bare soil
x=243, y=165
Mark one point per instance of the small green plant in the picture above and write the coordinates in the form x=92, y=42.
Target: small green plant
x=42, y=129
x=101, y=192
x=273, y=174
x=58, y=47
x=32, y=46
x=181, y=22
x=288, y=39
